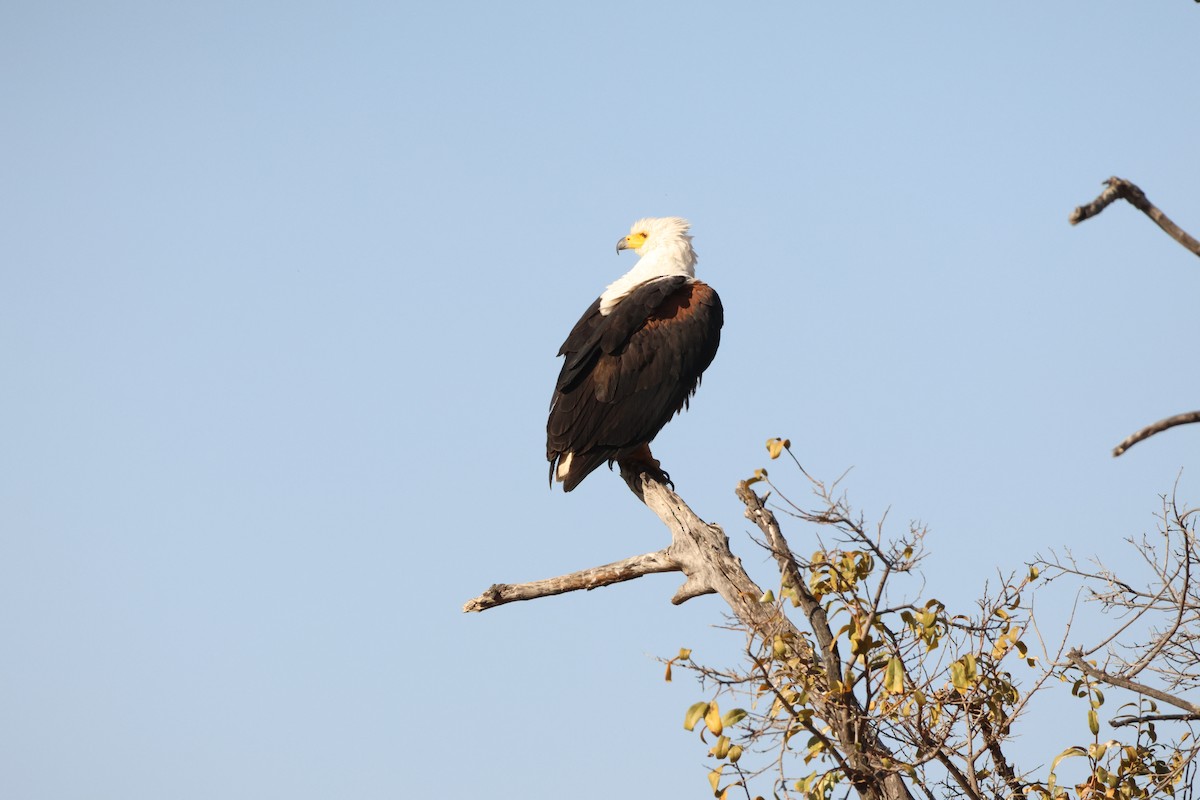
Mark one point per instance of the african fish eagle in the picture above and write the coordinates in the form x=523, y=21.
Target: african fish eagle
x=634, y=358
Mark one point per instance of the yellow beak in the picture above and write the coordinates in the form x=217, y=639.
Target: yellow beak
x=631, y=242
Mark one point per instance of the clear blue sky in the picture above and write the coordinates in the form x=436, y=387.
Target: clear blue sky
x=280, y=291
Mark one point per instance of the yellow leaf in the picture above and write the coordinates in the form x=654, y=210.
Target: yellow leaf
x=714, y=778
x=684, y=653
x=1093, y=722
x=667, y=677
x=1070, y=752
x=958, y=676
x=775, y=447
x=734, y=717
x=1033, y=573
x=767, y=597
x=893, y=678
x=713, y=719
x=760, y=473
x=735, y=753
x=695, y=713
x=721, y=748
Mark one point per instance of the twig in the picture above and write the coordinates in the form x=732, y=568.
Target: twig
x=1121, y=189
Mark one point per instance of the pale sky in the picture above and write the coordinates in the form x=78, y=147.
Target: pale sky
x=281, y=288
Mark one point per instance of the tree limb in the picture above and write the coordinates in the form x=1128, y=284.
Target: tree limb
x=1121, y=189
x=626, y=570
x=1158, y=427
x=1076, y=658
x=1131, y=719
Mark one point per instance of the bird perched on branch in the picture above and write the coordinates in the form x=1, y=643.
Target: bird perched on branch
x=634, y=358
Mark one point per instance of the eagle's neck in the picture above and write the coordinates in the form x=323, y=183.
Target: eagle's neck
x=676, y=258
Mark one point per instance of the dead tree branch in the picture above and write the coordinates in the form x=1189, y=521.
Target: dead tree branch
x=1076, y=658
x=701, y=552
x=588, y=579
x=1121, y=189
x=1117, y=722
x=1158, y=427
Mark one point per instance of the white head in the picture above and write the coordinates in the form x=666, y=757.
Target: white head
x=665, y=249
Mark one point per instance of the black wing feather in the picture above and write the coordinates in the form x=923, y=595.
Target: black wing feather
x=622, y=379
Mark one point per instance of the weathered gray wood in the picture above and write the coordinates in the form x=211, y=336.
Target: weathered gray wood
x=625, y=570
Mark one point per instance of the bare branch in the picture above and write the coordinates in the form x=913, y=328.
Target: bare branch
x=1121, y=189
x=1076, y=658
x=1158, y=427
x=588, y=579
x=1131, y=719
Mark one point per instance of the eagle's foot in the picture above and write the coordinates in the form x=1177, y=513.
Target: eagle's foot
x=640, y=460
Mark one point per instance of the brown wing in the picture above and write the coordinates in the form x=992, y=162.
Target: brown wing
x=627, y=373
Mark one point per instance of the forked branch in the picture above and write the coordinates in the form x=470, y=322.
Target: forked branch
x=1121, y=189
x=698, y=550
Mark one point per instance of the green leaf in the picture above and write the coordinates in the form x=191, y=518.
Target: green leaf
x=695, y=713
x=1093, y=722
